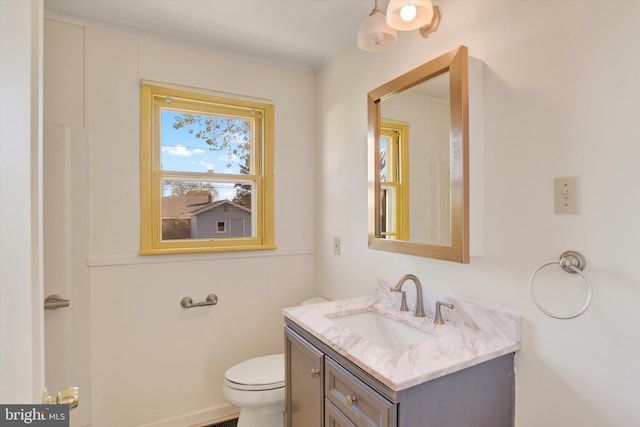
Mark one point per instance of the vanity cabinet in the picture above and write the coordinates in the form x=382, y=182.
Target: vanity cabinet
x=335, y=418
x=323, y=388
x=304, y=373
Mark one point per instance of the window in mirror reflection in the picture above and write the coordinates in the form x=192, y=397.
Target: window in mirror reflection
x=426, y=109
x=394, y=173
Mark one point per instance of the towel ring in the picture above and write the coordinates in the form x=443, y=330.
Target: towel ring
x=572, y=262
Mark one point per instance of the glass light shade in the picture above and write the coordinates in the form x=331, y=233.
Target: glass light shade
x=398, y=8
x=374, y=34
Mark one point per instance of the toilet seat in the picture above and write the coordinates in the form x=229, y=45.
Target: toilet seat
x=260, y=373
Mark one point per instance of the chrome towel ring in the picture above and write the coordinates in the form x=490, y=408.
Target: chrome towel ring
x=572, y=262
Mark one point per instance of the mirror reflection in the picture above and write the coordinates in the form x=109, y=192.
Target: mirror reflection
x=414, y=147
x=418, y=137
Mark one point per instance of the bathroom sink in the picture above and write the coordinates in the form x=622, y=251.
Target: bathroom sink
x=383, y=331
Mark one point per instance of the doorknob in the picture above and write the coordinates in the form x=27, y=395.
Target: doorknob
x=66, y=396
x=53, y=302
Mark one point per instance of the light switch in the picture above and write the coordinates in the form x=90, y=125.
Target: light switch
x=566, y=195
x=336, y=245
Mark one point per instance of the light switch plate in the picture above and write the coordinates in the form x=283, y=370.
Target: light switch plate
x=566, y=195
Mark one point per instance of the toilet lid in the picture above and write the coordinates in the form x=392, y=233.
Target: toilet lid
x=260, y=373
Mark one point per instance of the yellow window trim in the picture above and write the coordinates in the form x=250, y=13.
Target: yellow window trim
x=398, y=158
x=262, y=161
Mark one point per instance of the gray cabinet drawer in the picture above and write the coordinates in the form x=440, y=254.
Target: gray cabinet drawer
x=333, y=417
x=359, y=402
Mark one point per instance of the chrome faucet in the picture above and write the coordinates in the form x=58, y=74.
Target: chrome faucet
x=419, y=300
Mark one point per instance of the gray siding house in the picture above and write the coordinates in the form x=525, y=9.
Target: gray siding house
x=221, y=220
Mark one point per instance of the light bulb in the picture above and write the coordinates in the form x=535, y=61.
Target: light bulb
x=408, y=13
x=374, y=34
x=376, y=38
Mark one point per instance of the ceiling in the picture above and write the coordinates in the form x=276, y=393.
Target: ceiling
x=300, y=33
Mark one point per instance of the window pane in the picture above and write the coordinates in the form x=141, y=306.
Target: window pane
x=387, y=212
x=205, y=143
x=384, y=143
x=207, y=209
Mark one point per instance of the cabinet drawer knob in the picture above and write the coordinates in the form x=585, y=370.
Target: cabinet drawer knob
x=352, y=400
x=315, y=373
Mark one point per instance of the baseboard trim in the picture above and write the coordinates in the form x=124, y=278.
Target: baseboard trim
x=198, y=418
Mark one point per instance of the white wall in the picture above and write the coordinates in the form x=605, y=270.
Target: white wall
x=560, y=99
x=151, y=359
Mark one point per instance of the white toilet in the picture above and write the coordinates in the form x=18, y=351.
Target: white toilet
x=256, y=386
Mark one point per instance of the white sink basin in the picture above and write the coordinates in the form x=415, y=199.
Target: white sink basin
x=383, y=331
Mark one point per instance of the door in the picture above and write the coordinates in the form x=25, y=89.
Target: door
x=65, y=220
x=22, y=210
x=21, y=352
x=304, y=399
x=237, y=228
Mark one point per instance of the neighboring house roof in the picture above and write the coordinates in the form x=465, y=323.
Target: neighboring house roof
x=182, y=207
x=219, y=203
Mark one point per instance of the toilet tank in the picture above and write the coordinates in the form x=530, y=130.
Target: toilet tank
x=315, y=300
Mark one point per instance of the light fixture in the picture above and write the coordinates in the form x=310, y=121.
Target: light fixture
x=432, y=26
x=408, y=15
x=374, y=34
x=378, y=32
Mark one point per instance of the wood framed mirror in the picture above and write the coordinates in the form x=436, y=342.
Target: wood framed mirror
x=418, y=161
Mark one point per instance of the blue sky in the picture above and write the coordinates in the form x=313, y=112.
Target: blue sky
x=183, y=152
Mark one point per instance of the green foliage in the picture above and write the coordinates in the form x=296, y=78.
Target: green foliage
x=173, y=229
x=243, y=195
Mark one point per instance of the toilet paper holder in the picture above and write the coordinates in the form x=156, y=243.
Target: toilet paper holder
x=187, y=302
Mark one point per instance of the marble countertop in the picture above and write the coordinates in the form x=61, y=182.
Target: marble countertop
x=472, y=333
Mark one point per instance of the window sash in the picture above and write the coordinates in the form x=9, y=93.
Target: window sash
x=153, y=100
x=214, y=110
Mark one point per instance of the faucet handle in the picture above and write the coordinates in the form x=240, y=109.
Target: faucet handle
x=403, y=304
x=437, y=315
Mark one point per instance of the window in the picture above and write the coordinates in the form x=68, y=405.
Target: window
x=206, y=161
x=394, y=179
